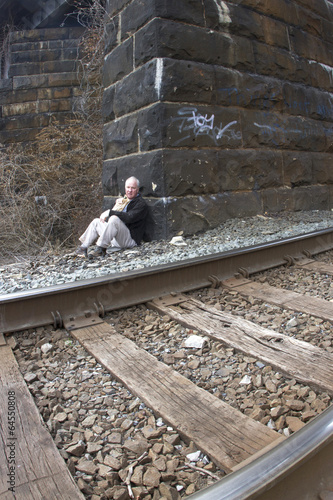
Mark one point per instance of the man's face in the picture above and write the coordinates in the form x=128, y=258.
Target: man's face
x=131, y=189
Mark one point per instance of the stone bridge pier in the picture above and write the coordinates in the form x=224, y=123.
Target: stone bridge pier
x=221, y=108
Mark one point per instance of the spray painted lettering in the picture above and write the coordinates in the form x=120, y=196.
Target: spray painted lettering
x=190, y=119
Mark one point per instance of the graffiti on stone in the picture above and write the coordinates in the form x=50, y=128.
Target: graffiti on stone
x=191, y=121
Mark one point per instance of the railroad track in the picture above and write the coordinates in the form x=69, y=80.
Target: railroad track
x=259, y=461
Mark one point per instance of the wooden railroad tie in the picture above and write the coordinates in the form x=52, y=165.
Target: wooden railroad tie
x=220, y=431
x=314, y=365
x=30, y=462
x=283, y=298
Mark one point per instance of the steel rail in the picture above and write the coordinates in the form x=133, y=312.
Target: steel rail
x=55, y=304
x=299, y=468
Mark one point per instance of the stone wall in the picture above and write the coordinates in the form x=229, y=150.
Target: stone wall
x=221, y=109
x=42, y=84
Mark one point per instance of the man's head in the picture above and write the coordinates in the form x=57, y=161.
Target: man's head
x=132, y=187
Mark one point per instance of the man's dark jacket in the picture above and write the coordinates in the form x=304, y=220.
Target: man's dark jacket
x=134, y=218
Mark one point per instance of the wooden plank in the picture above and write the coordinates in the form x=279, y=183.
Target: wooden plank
x=315, y=266
x=314, y=365
x=222, y=432
x=282, y=298
x=38, y=470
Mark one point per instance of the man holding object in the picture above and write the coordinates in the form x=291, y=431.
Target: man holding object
x=122, y=226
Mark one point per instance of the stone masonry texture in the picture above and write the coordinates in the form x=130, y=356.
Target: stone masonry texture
x=221, y=108
x=42, y=84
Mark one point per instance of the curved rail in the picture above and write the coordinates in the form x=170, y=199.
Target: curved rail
x=55, y=304
x=303, y=462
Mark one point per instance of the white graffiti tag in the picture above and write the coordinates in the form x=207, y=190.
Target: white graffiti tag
x=190, y=119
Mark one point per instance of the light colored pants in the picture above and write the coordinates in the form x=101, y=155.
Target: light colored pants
x=114, y=232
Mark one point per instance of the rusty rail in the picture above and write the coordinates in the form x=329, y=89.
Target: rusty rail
x=300, y=468
x=55, y=304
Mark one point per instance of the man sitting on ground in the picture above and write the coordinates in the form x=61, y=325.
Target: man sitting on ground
x=122, y=226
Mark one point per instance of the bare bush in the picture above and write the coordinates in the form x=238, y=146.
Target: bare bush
x=49, y=190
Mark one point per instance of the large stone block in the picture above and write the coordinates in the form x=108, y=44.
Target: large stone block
x=19, y=109
x=322, y=164
x=70, y=79
x=297, y=168
x=298, y=198
x=320, y=75
x=311, y=198
x=310, y=22
x=25, y=69
x=320, y=7
x=306, y=101
x=60, y=105
x=6, y=84
x=22, y=122
x=247, y=23
x=176, y=125
x=275, y=62
x=164, y=38
x=244, y=90
x=160, y=79
x=118, y=63
x=194, y=214
x=111, y=35
x=31, y=56
x=190, y=172
x=274, y=130
x=147, y=167
x=108, y=104
x=137, y=90
x=326, y=30
x=120, y=137
x=277, y=200
x=21, y=135
x=255, y=170
x=308, y=46
x=138, y=13
x=60, y=66
x=16, y=97
x=24, y=47
x=185, y=81
x=284, y=10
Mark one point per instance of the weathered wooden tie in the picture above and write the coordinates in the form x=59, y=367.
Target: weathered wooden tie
x=314, y=365
x=282, y=298
x=225, y=434
x=30, y=462
x=315, y=266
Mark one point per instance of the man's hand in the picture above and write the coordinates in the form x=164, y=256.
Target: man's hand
x=104, y=215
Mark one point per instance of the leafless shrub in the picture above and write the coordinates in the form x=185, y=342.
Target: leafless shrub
x=50, y=190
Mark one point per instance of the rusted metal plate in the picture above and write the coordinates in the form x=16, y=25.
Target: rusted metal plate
x=171, y=300
x=89, y=319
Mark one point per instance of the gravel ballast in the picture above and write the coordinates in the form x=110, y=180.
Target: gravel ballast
x=54, y=269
